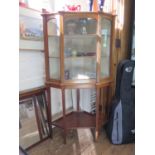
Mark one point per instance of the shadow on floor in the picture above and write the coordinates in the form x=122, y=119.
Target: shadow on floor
x=80, y=142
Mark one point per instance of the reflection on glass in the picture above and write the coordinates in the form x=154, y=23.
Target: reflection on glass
x=53, y=26
x=80, y=26
x=80, y=56
x=78, y=46
x=28, y=132
x=54, y=68
x=82, y=68
x=53, y=46
x=105, y=47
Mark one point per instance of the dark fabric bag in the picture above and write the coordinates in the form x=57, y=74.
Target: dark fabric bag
x=121, y=125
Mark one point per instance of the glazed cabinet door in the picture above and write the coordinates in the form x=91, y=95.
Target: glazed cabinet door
x=80, y=41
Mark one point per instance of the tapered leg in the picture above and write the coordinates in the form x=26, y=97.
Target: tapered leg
x=78, y=99
x=93, y=131
x=109, y=96
x=64, y=115
x=65, y=136
x=49, y=114
x=97, y=113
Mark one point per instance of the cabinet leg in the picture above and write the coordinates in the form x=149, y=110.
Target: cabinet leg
x=96, y=135
x=93, y=133
x=51, y=132
x=64, y=115
x=97, y=113
x=49, y=115
x=64, y=136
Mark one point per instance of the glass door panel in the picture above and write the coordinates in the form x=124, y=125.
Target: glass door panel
x=80, y=41
x=80, y=57
x=105, y=47
x=53, y=46
x=80, y=68
x=78, y=46
x=53, y=26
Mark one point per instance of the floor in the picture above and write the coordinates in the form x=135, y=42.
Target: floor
x=80, y=142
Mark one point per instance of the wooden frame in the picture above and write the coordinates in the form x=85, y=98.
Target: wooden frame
x=63, y=84
x=32, y=95
x=27, y=31
x=26, y=44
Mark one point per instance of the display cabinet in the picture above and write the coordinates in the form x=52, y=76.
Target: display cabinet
x=78, y=54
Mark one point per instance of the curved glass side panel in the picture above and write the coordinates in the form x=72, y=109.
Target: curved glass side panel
x=54, y=66
x=105, y=47
x=54, y=47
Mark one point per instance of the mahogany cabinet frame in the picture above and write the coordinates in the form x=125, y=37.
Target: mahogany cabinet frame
x=63, y=84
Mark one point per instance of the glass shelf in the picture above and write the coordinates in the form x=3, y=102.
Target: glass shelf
x=80, y=36
x=81, y=57
x=54, y=57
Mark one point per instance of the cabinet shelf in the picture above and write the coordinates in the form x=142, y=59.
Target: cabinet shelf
x=76, y=36
x=80, y=36
x=79, y=57
x=54, y=57
x=53, y=36
x=74, y=57
x=76, y=120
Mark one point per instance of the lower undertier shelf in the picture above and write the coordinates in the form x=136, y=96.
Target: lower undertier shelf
x=76, y=120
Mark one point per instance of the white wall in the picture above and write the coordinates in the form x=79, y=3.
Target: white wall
x=31, y=57
x=31, y=69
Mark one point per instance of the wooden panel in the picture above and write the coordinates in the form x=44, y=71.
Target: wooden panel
x=124, y=34
x=126, y=31
x=76, y=120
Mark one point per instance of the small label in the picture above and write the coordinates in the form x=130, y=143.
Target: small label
x=133, y=131
x=128, y=69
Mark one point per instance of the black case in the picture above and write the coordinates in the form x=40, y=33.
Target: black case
x=121, y=124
